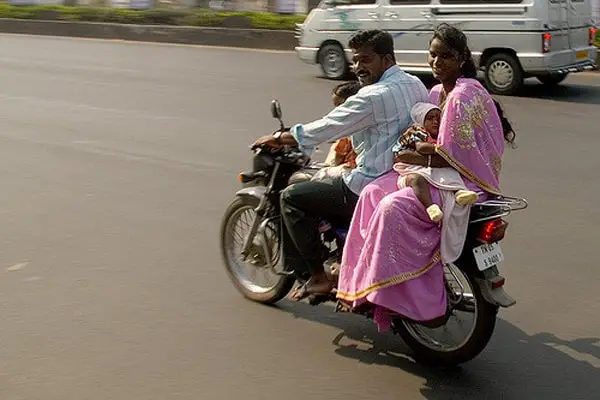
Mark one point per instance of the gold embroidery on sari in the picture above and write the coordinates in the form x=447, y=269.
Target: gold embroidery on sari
x=390, y=282
x=467, y=135
x=476, y=110
x=497, y=165
x=465, y=172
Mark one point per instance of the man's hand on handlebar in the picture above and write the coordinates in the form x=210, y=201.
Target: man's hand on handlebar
x=271, y=141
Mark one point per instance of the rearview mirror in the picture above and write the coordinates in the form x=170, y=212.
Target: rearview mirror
x=276, y=110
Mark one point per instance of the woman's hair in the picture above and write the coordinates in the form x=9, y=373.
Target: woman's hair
x=456, y=40
x=507, y=129
x=346, y=89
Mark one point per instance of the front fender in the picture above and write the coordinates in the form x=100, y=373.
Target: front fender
x=253, y=192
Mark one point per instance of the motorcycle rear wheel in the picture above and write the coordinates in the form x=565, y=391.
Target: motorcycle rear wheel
x=427, y=350
x=241, y=212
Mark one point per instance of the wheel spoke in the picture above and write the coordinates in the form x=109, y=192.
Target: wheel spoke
x=255, y=277
x=445, y=338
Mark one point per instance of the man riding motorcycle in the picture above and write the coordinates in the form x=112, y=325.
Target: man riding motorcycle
x=373, y=118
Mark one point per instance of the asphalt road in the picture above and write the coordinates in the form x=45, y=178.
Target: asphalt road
x=117, y=161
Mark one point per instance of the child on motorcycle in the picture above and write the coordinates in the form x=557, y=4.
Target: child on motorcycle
x=422, y=137
x=341, y=157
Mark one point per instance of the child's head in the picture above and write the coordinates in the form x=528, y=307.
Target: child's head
x=428, y=116
x=344, y=90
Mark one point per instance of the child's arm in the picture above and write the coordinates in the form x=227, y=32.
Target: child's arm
x=341, y=150
x=425, y=148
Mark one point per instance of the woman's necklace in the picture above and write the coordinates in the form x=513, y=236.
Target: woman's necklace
x=442, y=99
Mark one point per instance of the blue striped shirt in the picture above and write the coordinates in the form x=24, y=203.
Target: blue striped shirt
x=374, y=119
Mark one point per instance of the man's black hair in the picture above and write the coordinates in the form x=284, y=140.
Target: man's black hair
x=380, y=41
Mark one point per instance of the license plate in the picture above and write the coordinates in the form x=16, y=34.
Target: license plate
x=488, y=255
x=580, y=55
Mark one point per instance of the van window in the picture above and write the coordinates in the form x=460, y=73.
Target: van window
x=353, y=2
x=408, y=2
x=480, y=2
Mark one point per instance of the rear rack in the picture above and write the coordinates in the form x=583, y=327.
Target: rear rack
x=504, y=205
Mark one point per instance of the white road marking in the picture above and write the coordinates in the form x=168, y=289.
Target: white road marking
x=18, y=266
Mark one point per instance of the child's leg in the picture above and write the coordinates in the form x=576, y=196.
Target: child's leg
x=421, y=188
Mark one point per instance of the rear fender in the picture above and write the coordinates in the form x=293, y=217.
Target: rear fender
x=496, y=296
x=489, y=281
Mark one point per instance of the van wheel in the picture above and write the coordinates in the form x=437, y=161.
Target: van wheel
x=333, y=62
x=503, y=74
x=552, y=80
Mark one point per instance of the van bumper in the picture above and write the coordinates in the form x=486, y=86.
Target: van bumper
x=560, y=62
x=307, y=54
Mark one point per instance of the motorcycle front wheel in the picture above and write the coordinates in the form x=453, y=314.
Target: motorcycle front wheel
x=471, y=313
x=252, y=278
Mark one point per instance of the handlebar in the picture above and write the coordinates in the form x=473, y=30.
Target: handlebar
x=284, y=154
x=283, y=129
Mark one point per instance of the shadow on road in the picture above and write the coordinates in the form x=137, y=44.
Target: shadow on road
x=515, y=365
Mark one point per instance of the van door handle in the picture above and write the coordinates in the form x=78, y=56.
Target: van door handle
x=374, y=14
x=426, y=13
x=391, y=14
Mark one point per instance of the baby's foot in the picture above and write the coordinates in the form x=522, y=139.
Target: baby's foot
x=465, y=197
x=435, y=213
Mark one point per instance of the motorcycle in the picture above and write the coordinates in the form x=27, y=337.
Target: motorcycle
x=250, y=239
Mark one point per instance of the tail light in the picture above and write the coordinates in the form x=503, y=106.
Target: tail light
x=497, y=282
x=492, y=231
x=592, y=36
x=546, y=42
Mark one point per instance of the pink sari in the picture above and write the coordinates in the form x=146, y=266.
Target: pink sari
x=392, y=253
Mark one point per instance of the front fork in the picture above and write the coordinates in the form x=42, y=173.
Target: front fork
x=260, y=212
x=259, y=226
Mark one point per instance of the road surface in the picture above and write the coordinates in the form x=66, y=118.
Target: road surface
x=117, y=161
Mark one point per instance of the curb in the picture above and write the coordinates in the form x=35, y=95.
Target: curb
x=208, y=36
x=227, y=37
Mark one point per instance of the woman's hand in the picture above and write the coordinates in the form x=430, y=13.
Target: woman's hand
x=412, y=157
x=425, y=148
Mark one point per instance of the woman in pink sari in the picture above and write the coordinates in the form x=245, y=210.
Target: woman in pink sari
x=392, y=254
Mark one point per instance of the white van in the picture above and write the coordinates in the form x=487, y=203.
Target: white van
x=510, y=39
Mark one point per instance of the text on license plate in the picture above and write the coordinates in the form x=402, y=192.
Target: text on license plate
x=580, y=55
x=488, y=255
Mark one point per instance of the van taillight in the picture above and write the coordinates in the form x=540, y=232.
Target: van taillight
x=546, y=42
x=592, y=36
x=492, y=231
